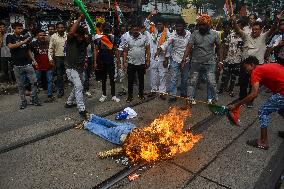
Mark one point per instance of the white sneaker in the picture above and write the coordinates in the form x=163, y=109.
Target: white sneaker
x=192, y=101
x=115, y=99
x=88, y=94
x=210, y=101
x=103, y=98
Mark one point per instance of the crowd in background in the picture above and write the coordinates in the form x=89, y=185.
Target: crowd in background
x=203, y=52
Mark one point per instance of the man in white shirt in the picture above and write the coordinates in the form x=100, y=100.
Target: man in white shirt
x=177, y=44
x=136, y=59
x=254, y=45
x=159, y=64
x=56, y=55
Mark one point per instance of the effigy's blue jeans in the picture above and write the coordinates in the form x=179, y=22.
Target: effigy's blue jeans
x=108, y=130
x=275, y=103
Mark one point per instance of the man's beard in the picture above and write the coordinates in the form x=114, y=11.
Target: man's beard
x=203, y=31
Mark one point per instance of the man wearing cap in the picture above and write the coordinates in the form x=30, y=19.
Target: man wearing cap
x=159, y=65
x=202, y=45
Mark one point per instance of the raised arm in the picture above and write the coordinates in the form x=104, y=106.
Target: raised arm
x=75, y=26
x=148, y=19
x=275, y=24
x=236, y=27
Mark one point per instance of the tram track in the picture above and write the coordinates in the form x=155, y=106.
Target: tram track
x=54, y=132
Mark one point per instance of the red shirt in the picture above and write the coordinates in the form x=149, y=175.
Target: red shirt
x=270, y=75
x=40, y=50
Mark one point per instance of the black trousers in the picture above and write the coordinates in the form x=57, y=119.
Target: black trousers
x=244, y=80
x=131, y=71
x=108, y=70
x=230, y=74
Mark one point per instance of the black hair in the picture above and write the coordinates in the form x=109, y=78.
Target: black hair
x=242, y=22
x=180, y=22
x=106, y=26
x=98, y=25
x=159, y=20
x=250, y=60
x=16, y=24
x=51, y=25
x=60, y=23
x=135, y=24
x=39, y=31
x=254, y=16
x=81, y=30
x=2, y=23
x=258, y=24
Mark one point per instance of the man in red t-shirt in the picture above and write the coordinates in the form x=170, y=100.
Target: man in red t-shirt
x=271, y=76
x=40, y=51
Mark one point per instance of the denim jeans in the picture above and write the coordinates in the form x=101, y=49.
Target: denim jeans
x=175, y=71
x=275, y=103
x=211, y=79
x=49, y=78
x=108, y=130
x=60, y=70
x=77, y=91
x=22, y=72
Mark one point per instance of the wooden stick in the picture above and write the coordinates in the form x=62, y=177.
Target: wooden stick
x=181, y=97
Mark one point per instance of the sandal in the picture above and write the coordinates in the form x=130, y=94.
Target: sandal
x=254, y=143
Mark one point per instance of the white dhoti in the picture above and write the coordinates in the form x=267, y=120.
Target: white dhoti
x=158, y=76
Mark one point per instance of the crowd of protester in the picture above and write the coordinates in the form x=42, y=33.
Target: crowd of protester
x=188, y=55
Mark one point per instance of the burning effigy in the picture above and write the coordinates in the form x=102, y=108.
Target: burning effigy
x=162, y=139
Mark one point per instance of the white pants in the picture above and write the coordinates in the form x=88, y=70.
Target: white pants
x=77, y=91
x=158, y=76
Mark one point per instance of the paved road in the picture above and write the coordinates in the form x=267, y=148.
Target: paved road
x=68, y=159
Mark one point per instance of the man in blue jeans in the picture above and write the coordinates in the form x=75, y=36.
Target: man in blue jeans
x=202, y=45
x=271, y=76
x=108, y=130
x=177, y=44
x=22, y=59
x=40, y=51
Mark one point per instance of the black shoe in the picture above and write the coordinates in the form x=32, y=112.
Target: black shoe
x=50, y=99
x=281, y=134
x=129, y=99
x=171, y=100
x=23, y=105
x=70, y=105
x=163, y=97
x=122, y=93
x=36, y=102
x=141, y=97
x=84, y=115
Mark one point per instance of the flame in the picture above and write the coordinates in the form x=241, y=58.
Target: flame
x=163, y=139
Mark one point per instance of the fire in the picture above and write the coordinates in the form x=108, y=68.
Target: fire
x=162, y=139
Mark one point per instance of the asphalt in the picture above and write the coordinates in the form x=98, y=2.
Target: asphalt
x=221, y=159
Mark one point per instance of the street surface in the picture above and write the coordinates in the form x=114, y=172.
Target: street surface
x=39, y=148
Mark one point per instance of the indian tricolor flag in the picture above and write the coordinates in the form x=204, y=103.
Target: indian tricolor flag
x=226, y=7
x=119, y=13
